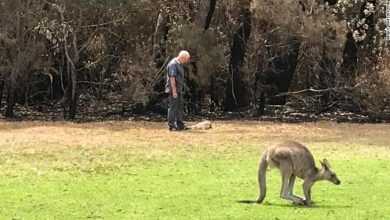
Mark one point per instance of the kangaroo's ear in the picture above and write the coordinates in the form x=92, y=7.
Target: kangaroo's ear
x=324, y=164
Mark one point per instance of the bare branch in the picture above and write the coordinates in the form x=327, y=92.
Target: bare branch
x=306, y=90
x=102, y=24
x=92, y=83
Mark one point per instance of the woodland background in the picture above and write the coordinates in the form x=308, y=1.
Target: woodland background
x=277, y=59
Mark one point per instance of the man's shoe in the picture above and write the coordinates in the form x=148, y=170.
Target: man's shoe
x=184, y=128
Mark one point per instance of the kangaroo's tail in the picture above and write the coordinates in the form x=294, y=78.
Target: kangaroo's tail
x=263, y=164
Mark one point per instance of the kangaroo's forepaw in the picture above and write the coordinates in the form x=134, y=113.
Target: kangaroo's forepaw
x=301, y=202
x=308, y=203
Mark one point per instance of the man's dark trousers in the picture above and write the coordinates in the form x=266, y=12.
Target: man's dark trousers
x=176, y=111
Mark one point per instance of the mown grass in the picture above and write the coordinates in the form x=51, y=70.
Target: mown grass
x=134, y=170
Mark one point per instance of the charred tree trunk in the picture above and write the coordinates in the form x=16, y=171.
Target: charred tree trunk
x=260, y=90
x=72, y=94
x=284, y=67
x=2, y=85
x=99, y=95
x=72, y=53
x=70, y=104
x=160, y=38
x=261, y=82
x=9, y=112
x=348, y=67
x=260, y=97
x=236, y=93
x=13, y=83
x=205, y=13
x=159, y=50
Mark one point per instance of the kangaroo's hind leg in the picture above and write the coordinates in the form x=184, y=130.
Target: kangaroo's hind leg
x=285, y=191
x=291, y=184
x=291, y=187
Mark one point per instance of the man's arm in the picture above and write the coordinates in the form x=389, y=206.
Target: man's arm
x=172, y=81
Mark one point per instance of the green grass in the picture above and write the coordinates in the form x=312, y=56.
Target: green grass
x=205, y=187
x=184, y=182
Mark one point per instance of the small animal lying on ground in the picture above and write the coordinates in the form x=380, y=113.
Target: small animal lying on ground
x=204, y=125
x=293, y=160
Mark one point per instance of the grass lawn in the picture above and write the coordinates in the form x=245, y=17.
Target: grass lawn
x=139, y=170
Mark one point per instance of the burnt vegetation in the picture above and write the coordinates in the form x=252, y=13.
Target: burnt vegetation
x=260, y=59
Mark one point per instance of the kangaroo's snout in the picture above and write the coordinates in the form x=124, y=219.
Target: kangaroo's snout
x=337, y=182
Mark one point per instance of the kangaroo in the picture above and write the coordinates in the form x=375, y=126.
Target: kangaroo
x=293, y=160
x=204, y=125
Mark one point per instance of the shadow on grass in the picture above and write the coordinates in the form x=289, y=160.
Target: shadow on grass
x=246, y=201
x=292, y=205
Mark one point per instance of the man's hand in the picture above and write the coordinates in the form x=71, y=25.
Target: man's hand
x=174, y=94
x=172, y=80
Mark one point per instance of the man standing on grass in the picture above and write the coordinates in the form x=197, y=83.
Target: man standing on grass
x=174, y=86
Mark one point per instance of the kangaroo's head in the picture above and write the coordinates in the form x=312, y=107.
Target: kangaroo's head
x=328, y=174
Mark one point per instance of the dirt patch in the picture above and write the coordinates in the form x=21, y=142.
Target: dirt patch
x=155, y=134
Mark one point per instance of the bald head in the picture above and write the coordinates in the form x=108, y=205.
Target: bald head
x=183, y=56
